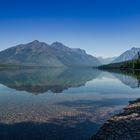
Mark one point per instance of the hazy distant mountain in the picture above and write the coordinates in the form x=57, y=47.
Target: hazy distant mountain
x=128, y=55
x=41, y=54
x=106, y=60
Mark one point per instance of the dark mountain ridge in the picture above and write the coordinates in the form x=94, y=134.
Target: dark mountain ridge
x=41, y=54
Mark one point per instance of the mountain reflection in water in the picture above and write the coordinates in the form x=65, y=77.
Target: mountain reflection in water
x=42, y=80
x=38, y=81
x=88, y=98
x=129, y=78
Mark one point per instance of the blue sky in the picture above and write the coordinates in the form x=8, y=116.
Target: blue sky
x=101, y=27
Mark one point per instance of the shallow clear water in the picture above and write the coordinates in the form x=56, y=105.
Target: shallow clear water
x=57, y=104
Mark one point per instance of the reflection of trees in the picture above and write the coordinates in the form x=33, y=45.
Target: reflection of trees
x=41, y=80
x=128, y=77
x=135, y=75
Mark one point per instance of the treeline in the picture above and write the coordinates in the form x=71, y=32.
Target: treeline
x=131, y=64
x=134, y=64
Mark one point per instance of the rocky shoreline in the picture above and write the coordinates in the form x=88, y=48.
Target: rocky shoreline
x=123, y=126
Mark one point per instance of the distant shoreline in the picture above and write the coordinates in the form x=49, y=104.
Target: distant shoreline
x=10, y=66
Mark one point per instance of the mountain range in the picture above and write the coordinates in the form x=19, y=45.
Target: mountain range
x=128, y=60
x=128, y=55
x=38, y=53
x=41, y=54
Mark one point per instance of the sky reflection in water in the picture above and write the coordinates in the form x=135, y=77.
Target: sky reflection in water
x=70, y=104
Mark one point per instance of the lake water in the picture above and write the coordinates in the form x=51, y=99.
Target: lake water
x=61, y=104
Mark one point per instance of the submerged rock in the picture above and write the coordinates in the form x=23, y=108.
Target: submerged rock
x=123, y=126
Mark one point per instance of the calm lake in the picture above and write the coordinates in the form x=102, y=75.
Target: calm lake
x=61, y=104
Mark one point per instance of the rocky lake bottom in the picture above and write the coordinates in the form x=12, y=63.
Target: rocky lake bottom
x=69, y=104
